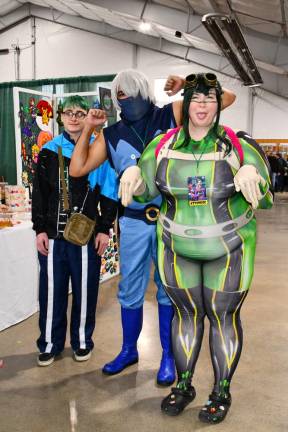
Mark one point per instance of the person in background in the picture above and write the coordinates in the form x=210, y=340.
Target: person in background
x=282, y=169
x=286, y=175
x=59, y=259
x=273, y=162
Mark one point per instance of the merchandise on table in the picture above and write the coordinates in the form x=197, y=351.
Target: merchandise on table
x=15, y=198
x=5, y=219
x=2, y=191
x=17, y=206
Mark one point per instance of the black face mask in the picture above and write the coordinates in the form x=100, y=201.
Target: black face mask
x=134, y=108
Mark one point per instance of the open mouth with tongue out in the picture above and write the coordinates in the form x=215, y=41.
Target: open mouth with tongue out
x=201, y=115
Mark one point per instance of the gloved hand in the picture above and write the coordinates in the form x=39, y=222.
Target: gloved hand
x=131, y=183
x=247, y=181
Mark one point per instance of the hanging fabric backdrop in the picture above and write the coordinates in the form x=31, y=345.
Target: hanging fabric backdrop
x=7, y=132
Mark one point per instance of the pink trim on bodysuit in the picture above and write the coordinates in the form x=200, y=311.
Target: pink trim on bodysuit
x=231, y=134
x=235, y=142
x=165, y=138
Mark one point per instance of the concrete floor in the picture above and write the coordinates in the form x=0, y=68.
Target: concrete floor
x=34, y=399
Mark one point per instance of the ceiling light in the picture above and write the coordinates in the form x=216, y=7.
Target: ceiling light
x=235, y=50
x=144, y=26
x=255, y=85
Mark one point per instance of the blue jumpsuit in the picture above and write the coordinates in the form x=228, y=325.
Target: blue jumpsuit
x=137, y=235
x=125, y=142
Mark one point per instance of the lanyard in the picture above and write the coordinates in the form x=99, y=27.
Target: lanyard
x=199, y=159
x=143, y=142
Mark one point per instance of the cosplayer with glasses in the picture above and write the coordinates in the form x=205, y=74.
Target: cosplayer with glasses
x=123, y=144
x=210, y=181
x=59, y=259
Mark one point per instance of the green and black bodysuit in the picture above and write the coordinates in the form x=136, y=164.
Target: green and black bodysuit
x=206, y=243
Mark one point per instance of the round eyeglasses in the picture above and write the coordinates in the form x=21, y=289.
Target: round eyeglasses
x=77, y=114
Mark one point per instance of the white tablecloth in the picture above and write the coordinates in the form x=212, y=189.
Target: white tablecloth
x=18, y=274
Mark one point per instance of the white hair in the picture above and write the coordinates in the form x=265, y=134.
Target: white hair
x=131, y=82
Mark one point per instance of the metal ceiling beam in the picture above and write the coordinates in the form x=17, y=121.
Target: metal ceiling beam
x=129, y=36
x=255, y=17
x=14, y=24
x=161, y=14
x=143, y=10
x=194, y=56
x=69, y=7
x=233, y=12
x=257, y=41
x=284, y=20
x=190, y=6
x=15, y=18
x=130, y=7
x=214, y=6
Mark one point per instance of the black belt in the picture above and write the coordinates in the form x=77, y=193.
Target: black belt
x=148, y=214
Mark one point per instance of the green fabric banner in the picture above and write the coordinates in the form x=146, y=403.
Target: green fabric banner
x=7, y=129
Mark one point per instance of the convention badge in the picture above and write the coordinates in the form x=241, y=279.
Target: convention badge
x=197, y=194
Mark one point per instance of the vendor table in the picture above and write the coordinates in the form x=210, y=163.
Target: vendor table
x=19, y=270
x=18, y=274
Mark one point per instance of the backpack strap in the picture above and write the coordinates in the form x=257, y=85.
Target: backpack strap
x=165, y=138
x=231, y=134
x=235, y=142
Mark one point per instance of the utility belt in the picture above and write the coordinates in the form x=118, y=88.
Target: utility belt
x=209, y=231
x=148, y=214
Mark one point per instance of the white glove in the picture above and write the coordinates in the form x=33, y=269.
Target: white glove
x=247, y=181
x=131, y=183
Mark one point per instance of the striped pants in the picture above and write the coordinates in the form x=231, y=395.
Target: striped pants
x=82, y=265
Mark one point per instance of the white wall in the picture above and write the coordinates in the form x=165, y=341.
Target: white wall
x=270, y=116
x=21, y=34
x=63, y=52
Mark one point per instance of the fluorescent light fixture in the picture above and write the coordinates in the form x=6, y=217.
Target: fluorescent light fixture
x=144, y=26
x=255, y=85
x=235, y=50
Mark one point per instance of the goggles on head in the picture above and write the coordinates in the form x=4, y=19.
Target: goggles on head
x=192, y=80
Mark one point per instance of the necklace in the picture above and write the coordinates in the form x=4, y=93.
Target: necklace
x=143, y=141
x=200, y=157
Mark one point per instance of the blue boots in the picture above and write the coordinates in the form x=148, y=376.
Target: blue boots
x=166, y=373
x=132, y=325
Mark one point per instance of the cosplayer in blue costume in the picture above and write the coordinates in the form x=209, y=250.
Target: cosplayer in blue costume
x=59, y=259
x=123, y=144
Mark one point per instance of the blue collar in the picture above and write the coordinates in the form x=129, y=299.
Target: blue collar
x=63, y=140
x=68, y=138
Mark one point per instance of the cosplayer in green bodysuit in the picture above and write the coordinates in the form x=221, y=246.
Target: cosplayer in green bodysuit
x=208, y=179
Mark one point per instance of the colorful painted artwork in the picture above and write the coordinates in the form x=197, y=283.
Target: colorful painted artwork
x=36, y=128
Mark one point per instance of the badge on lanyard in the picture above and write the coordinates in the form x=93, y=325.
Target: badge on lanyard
x=197, y=190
